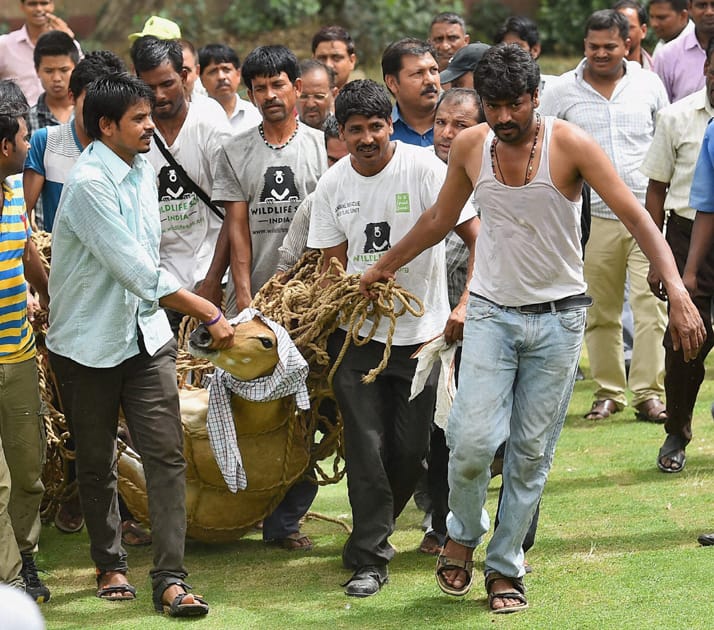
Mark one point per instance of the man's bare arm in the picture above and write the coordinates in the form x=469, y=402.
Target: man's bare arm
x=654, y=203
x=593, y=164
x=210, y=287
x=241, y=254
x=468, y=232
x=32, y=183
x=328, y=253
x=191, y=304
x=699, y=247
x=35, y=272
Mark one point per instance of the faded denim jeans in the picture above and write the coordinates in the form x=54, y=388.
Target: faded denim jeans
x=516, y=380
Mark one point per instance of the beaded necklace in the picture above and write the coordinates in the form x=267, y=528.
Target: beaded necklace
x=495, y=164
x=277, y=146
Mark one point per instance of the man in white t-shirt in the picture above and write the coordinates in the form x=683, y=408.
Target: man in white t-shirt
x=526, y=313
x=191, y=134
x=220, y=73
x=362, y=206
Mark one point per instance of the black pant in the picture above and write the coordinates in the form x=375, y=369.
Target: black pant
x=386, y=440
x=145, y=387
x=285, y=519
x=682, y=379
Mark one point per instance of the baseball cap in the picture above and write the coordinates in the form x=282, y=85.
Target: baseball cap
x=160, y=28
x=465, y=60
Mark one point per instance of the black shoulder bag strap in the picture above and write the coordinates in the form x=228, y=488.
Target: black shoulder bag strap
x=184, y=175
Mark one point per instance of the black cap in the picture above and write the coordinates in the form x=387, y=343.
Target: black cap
x=465, y=60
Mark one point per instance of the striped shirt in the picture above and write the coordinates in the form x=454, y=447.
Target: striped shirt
x=53, y=152
x=17, y=342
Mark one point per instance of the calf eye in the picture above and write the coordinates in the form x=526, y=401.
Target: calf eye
x=267, y=343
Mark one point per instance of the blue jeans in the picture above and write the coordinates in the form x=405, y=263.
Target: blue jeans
x=516, y=379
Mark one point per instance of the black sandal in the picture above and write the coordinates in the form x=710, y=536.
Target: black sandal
x=177, y=608
x=518, y=593
x=673, y=450
x=125, y=591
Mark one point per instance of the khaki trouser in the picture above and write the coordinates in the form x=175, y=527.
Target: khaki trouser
x=22, y=455
x=612, y=253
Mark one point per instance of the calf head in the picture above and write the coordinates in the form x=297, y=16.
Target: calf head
x=254, y=352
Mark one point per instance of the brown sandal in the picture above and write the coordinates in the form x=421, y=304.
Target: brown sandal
x=293, y=542
x=133, y=535
x=602, y=409
x=652, y=410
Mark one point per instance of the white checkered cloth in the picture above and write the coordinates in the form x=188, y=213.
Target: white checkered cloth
x=288, y=378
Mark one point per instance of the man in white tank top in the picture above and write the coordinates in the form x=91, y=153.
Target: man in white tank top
x=526, y=316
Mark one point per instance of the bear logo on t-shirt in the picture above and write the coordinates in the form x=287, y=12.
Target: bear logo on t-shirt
x=171, y=185
x=377, y=237
x=279, y=185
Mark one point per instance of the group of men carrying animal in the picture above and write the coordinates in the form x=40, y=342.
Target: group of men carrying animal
x=382, y=212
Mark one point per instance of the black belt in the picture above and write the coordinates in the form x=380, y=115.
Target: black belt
x=564, y=304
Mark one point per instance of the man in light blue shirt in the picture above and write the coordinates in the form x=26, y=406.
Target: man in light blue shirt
x=110, y=342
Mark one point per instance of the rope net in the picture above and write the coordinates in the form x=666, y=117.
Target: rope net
x=310, y=306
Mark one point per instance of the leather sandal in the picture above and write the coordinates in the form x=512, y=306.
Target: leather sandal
x=113, y=592
x=447, y=563
x=432, y=544
x=133, y=535
x=602, y=409
x=673, y=450
x=652, y=410
x=296, y=541
x=177, y=608
x=517, y=593
x=68, y=518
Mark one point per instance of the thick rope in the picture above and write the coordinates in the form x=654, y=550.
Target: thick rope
x=309, y=311
x=311, y=307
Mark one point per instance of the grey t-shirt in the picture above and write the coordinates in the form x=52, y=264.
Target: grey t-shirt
x=273, y=182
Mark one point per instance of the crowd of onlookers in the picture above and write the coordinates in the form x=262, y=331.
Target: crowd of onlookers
x=163, y=187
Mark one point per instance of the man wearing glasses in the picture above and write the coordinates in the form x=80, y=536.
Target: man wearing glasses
x=317, y=99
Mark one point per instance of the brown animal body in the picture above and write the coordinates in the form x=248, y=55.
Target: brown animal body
x=271, y=436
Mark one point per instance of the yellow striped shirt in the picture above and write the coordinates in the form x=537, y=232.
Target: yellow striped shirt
x=17, y=343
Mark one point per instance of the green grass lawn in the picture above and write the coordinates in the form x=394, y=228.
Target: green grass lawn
x=616, y=548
